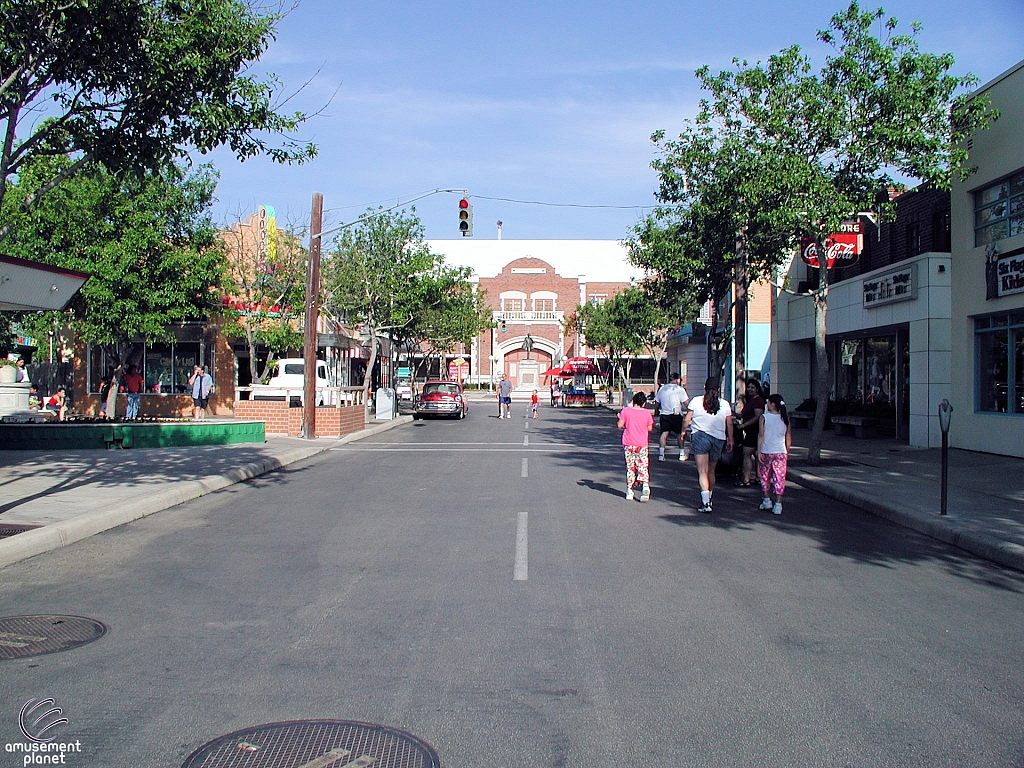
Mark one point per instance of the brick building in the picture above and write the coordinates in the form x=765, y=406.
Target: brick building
x=528, y=296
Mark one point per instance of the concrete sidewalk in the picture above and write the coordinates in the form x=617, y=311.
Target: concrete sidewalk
x=985, y=493
x=65, y=496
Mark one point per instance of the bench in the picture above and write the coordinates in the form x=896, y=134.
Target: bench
x=801, y=419
x=858, y=426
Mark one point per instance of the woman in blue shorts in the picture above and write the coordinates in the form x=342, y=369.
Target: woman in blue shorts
x=710, y=420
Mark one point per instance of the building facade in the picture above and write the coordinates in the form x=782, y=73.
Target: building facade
x=987, y=385
x=888, y=322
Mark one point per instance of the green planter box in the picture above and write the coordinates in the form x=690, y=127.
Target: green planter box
x=60, y=437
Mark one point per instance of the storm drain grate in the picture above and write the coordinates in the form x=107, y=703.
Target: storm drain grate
x=10, y=529
x=315, y=744
x=26, y=636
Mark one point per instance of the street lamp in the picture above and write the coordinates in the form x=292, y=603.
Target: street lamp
x=945, y=413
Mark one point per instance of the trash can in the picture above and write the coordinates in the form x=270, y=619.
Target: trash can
x=384, y=403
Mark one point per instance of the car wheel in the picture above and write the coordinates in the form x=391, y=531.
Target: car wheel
x=415, y=417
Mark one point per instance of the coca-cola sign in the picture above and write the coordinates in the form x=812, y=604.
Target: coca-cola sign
x=842, y=249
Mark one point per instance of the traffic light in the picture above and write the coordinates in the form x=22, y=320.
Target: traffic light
x=503, y=326
x=465, y=218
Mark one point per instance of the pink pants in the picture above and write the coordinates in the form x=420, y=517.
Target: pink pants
x=773, y=466
x=638, y=465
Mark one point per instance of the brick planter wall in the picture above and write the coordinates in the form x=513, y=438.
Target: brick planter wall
x=282, y=420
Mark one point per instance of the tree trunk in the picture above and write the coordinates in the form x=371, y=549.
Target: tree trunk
x=822, y=388
x=368, y=378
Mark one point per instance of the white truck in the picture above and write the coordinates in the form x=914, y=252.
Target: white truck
x=289, y=381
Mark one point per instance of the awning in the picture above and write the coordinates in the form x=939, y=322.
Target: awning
x=28, y=286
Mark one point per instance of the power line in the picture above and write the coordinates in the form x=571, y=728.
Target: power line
x=566, y=205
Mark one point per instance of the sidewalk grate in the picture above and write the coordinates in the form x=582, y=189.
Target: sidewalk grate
x=11, y=529
x=315, y=744
x=26, y=636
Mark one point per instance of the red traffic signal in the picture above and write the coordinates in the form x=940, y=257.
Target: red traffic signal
x=465, y=218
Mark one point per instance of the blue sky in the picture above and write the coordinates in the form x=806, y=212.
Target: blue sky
x=540, y=101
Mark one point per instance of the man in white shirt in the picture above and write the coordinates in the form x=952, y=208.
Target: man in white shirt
x=671, y=399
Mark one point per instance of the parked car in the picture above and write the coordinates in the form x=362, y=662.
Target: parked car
x=289, y=381
x=441, y=398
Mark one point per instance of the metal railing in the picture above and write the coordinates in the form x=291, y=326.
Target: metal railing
x=331, y=397
x=529, y=316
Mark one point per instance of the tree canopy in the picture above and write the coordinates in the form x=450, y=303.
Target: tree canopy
x=148, y=242
x=814, y=148
x=130, y=85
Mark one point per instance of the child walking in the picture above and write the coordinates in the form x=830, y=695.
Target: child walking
x=774, y=440
x=535, y=403
x=636, y=423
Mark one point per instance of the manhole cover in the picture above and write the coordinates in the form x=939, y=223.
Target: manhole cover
x=315, y=744
x=10, y=529
x=26, y=636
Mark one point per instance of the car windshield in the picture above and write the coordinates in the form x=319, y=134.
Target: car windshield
x=440, y=388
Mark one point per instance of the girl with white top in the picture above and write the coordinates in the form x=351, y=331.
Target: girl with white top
x=774, y=440
x=710, y=419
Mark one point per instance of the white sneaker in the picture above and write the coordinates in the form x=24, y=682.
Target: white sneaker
x=682, y=456
x=629, y=495
x=777, y=509
x=766, y=504
x=645, y=495
x=661, y=457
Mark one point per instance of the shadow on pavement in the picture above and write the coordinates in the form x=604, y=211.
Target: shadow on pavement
x=837, y=529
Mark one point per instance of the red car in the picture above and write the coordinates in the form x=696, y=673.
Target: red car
x=441, y=398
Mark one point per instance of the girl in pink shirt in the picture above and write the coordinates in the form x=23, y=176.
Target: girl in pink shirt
x=636, y=423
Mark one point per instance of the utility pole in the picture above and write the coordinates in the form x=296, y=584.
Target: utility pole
x=312, y=312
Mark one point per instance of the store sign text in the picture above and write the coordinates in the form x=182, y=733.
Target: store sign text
x=891, y=287
x=1010, y=275
x=842, y=249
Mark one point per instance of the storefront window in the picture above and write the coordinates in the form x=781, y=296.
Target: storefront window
x=1018, y=370
x=158, y=369
x=993, y=369
x=851, y=370
x=165, y=367
x=186, y=357
x=880, y=370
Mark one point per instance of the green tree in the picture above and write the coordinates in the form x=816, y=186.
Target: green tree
x=374, y=277
x=267, y=290
x=624, y=327
x=451, y=311
x=711, y=238
x=133, y=84
x=148, y=242
x=829, y=141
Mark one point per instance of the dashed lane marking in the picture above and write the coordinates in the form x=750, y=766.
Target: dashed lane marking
x=520, y=569
x=526, y=468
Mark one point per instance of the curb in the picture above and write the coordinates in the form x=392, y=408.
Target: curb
x=50, y=537
x=1005, y=553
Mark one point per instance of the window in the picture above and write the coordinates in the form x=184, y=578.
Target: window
x=164, y=367
x=513, y=305
x=597, y=299
x=544, y=305
x=913, y=240
x=1000, y=363
x=999, y=211
x=941, y=240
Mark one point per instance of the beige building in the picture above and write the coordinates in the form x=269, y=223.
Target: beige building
x=987, y=387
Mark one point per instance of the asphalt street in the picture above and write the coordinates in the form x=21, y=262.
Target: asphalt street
x=485, y=586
